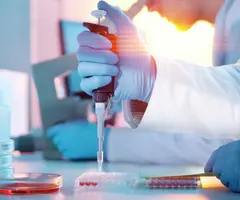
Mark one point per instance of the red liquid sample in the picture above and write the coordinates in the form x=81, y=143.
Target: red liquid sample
x=81, y=184
x=94, y=184
x=173, y=182
x=28, y=188
x=87, y=183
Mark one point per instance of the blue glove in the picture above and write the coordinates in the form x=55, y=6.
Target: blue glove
x=133, y=65
x=225, y=164
x=75, y=139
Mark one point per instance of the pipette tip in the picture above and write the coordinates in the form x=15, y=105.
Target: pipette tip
x=100, y=167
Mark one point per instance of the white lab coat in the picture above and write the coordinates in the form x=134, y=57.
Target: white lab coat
x=197, y=100
x=193, y=110
x=154, y=147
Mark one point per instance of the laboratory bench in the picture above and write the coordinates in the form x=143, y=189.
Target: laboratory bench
x=34, y=163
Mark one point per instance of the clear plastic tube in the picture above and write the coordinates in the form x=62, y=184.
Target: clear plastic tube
x=173, y=183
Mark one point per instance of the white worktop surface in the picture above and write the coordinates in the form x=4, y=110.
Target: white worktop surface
x=71, y=170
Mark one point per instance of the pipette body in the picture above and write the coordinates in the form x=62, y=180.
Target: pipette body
x=102, y=97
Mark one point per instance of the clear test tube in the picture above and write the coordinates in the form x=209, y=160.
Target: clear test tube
x=173, y=183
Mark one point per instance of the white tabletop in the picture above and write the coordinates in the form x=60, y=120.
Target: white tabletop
x=71, y=170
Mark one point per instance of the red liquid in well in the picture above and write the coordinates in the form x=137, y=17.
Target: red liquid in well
x=81, y=184
x=94, y=184
x=87, y=183
x=28, y=188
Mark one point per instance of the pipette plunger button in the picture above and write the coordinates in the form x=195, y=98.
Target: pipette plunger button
x=99, y=13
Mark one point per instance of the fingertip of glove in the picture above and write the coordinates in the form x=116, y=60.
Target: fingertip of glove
x=83, y=35
x=103, y=5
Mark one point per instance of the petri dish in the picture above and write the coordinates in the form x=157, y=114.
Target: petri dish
x=31, y=183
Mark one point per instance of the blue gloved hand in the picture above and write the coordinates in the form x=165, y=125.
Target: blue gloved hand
x=133, y=65
x=225, y=164
x=75, y=139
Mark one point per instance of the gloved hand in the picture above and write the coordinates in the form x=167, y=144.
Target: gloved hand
x=225, y=164
x=75, y=139
x=133, y=65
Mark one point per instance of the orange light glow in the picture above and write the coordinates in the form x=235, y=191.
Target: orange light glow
x=163, y=38
x=211, y=182
x=183, y=197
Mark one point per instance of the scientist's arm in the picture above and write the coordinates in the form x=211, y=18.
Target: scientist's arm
x=176, y=95
x=152, y=147
x=188, y=98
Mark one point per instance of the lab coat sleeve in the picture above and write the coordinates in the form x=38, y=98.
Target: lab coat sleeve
x=232, y=47
x=188, y=98
x=151, y=147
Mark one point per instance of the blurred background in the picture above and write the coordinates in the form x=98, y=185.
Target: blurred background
x=36, y=31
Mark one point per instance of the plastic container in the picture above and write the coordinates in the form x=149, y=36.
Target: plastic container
x=6, y=145
x=103, y=180
x=173, y=182
x=12, y=183
x=4, y=121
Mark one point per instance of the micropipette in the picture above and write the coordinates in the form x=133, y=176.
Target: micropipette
x=102, y=97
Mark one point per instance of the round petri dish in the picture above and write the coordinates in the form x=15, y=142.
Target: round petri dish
x=31, y=183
